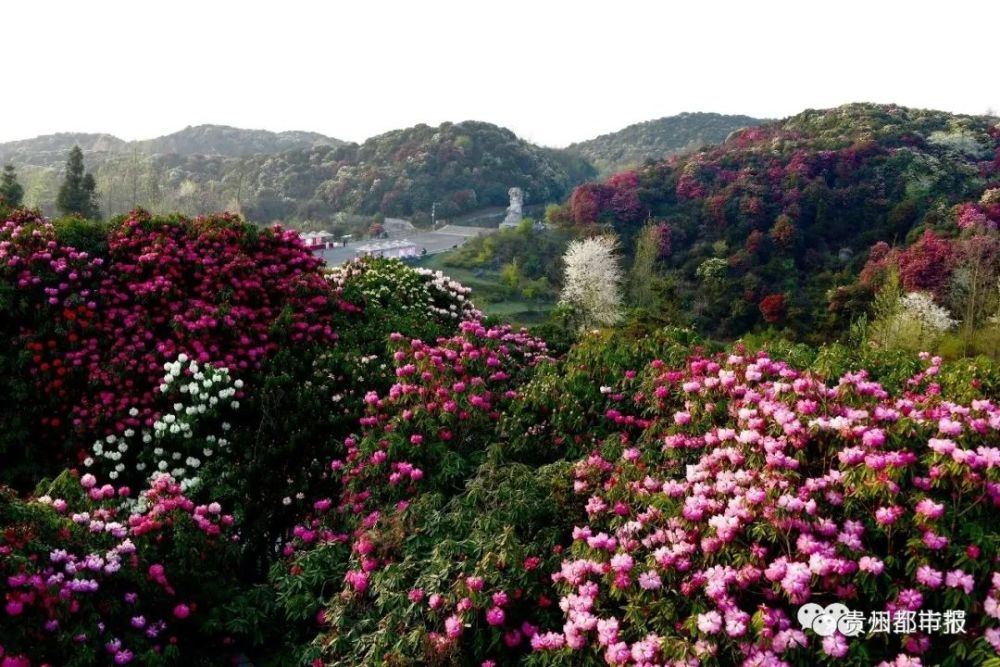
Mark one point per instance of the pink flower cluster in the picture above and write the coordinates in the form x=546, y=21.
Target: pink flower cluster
x=747, y=488
x=53, y=592
x=972, y=216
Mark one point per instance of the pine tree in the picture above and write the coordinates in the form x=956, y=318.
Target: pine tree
x=11, y=192
x=78, y=192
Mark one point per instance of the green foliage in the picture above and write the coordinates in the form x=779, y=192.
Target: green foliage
x=506, y=514
x=650, y=292
x=885, y=311
x=559, y=329
x=541, y=430
x=90, y=236
x=527, y=257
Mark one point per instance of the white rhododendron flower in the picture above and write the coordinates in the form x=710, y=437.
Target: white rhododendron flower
x=197, y=390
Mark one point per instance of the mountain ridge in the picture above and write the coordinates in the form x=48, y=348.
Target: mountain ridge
x=49, y=150
x=659, y=138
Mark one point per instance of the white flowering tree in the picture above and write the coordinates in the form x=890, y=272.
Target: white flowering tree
x=592, y=281
x=915, y=323
x=919, y=308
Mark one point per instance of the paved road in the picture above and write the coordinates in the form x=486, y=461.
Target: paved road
x=442, y=240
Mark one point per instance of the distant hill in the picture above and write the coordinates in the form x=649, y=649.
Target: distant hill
x=462, y=166
x=225, y=141
x=658, y=139
x=306, y=177
x=49, y=151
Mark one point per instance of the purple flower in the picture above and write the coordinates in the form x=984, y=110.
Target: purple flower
x=930, y=509
x=835, y=645
x=650, y=580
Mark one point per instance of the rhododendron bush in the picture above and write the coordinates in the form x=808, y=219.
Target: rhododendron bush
x=740, y=488
x=96, y=331
x=430, y=295
x=710, y=496
x=90, y=578
x=266, y=462
x=420, y=442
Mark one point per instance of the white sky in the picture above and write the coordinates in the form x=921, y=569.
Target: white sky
x=554, y=72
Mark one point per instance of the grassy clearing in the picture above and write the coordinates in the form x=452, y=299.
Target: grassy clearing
x=490, y=294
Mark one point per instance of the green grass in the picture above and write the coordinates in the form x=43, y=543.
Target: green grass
x=520, y=312
x=492, y=297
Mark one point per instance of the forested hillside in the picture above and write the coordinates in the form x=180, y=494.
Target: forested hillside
x=773, y=227
x=464, y=166
x=301, y=176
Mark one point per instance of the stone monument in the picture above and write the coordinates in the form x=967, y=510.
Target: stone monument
x=515, y=212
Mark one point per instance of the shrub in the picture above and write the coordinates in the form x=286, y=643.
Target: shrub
x=740, y=488
x=92, y=333
x=421, y=442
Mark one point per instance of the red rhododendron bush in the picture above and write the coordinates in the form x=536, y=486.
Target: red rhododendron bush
x=92, y=329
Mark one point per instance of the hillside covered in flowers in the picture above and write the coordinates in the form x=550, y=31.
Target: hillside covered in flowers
x=774, y=226
x=217, y=450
